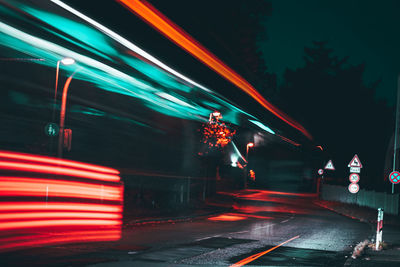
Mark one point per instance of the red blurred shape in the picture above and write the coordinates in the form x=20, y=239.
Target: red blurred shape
x=36, y=168
x=177, y=35
x=18, y=186
x=57, y=206
x=70, y=210
x=56, y=161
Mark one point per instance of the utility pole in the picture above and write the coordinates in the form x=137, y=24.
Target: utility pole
x=396, y=130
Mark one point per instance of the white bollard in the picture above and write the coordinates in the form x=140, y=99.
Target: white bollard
x=379, y=228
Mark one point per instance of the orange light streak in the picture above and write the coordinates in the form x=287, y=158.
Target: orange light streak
x=227, y=217
x=28, y=167
x=55, y=161
x=15, y=186
x=256, y=256
x=177, y=35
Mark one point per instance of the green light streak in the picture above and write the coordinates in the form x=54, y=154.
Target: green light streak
x=262, y=126
x=160, y=90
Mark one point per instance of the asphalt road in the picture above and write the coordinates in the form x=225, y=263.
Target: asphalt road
x=264, y=229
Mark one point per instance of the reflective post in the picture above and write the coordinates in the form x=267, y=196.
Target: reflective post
x=379, y=229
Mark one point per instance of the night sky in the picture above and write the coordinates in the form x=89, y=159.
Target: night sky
x=365, y=30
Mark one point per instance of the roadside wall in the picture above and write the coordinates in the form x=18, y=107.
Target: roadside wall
x=371, y=199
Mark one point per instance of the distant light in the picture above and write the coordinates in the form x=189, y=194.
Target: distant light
x=234, y=160
x=262, y=126
x=67, y=61
x=216, y=114
x=320, y=147
x=250, y=144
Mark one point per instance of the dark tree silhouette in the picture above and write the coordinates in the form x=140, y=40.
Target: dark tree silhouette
x=329, y=96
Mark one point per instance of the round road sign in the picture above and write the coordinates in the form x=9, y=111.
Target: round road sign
x=320, y=171
x=354, y=188
x=354, y=178
x=394, y=177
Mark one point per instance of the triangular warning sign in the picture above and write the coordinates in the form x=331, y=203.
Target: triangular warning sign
x=355, y=162
x=329, y=166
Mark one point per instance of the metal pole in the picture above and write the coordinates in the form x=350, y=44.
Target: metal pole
x=62, y=115
x=396, y=127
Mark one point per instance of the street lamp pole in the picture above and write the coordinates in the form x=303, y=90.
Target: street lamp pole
x=65, y=61
x=247, y=159
x=62, y=115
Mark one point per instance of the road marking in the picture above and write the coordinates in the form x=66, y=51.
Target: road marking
x=256, y=256
x=285, y=221
x=207, y=237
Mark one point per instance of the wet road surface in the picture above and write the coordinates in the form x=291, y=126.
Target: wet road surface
x=263, y=229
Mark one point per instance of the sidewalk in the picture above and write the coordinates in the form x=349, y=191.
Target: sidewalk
x=390, y=254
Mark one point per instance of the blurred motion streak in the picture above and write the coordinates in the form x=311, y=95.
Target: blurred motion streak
x=19, y=186
x=59, y=207
x=28, y=167
x=176, y=34
x=54, y=161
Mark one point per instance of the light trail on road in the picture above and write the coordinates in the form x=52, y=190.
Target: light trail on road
x=256, y=256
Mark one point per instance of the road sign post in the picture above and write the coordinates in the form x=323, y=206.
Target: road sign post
x=396, y=131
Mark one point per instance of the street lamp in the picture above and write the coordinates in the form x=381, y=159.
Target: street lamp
x=62, y=115
x=65, y=61
x=247, y=163
x=247, y=148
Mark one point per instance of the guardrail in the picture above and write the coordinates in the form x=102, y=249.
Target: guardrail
x=364, y=198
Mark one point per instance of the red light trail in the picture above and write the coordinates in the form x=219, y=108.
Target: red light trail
x=26, y=221
x=29, y=167
x=177, y=35
x=56, y=161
